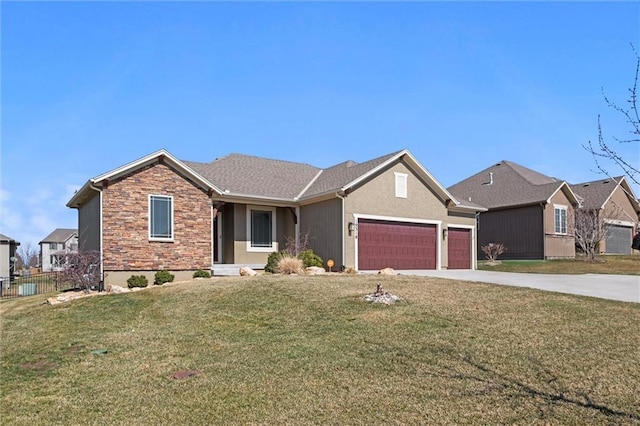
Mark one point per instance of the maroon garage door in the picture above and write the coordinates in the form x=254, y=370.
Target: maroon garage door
x=459, y=241
x=397, y=245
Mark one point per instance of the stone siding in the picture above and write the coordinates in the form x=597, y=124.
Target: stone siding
x=126, y=242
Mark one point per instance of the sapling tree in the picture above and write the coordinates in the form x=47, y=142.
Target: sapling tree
x=610, y=152
x=82, y=270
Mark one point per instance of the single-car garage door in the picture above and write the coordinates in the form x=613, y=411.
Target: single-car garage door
x=459, y=248
x=397, y=245
x=618, y=239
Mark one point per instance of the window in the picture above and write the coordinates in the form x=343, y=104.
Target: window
x=53, y=246
x=160, y=217
x=560, y=219
x=261, y=228
x=401, y=185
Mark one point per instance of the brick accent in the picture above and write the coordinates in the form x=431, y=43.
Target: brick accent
x=126, y=242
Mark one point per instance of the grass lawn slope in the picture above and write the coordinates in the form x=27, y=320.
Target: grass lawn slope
x=309, y=350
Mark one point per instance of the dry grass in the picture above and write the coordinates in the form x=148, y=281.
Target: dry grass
x=625, y=265
x=309, y=350
x=290, y=265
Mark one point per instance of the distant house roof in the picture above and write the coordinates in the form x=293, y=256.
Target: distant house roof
x=507, y=184
x=60, y=235
x=596, y=193
x=6, y=239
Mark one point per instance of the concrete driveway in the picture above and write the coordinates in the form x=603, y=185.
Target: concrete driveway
x=625, y=288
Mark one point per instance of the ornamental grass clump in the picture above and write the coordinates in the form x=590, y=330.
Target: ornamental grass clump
x=290, y=265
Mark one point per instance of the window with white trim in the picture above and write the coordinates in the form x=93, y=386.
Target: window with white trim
x=53, y=246
x=560, y=219
x=401, y=184
x=160, y=217
x=261, y=228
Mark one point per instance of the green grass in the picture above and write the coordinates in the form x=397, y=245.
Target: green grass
x=309, y=350
x=625, y=265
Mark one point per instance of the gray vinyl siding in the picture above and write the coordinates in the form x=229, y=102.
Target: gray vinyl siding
x=285, y=226
x=520, y=230
x=323, y=222
x=228, y=220
x=89, y=225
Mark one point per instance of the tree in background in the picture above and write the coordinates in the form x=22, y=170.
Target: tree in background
x=589, y=228
x=27, y=256
x=607, y=153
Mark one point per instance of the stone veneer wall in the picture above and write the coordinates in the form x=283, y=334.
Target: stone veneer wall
x=126, y=242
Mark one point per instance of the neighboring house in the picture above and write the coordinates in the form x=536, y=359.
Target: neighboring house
x=614, y=199
x=159, y=212
x=8, y=248
x=527, y=211
x=56, y=247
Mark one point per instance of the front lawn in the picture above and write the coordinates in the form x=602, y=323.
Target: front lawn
x=309, y=350
x=625, y=265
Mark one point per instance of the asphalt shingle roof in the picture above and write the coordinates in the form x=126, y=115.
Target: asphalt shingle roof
x=338, y=176
x=60, y=235
x=595, y=193
x=263, y=177
x=244, y=174
x=506, y=184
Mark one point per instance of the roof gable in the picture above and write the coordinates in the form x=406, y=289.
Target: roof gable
x=596, y=193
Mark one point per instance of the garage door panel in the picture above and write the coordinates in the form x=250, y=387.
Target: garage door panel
x=397, y=245
x=618, y=239
x=459, y=248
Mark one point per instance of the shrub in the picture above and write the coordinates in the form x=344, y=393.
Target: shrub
x=162, y=277
x=137, y=281
x=350, y=270
x=493, y=250
x=290, y=265
x=309, y=258
x=201, y=273
x=272, y=262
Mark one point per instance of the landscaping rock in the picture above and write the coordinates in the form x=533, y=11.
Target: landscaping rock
x=387, y=271
x=315, y=270
x=247, y=272
x=381, y=296
x=118, y=289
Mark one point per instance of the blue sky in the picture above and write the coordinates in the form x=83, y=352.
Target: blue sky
x=89, y=86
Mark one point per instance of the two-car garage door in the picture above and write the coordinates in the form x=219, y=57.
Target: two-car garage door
x=403, y=245
x=397, y=245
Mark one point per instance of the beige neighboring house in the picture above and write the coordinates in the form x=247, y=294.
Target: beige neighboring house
x=614, y=199
x=526, y=211
x=159, y=212
x=8, y=248
x=55, y=248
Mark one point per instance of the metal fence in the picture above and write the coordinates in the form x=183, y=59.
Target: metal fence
x=47, y=282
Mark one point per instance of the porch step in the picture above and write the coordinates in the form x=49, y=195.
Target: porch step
x=232, y=270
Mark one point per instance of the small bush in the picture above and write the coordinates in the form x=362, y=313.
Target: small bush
x=493, y=250
x=290, y=265
x=201, y=273
x=309, y=258
x=162, y=277
x=272, y=262
x=137, y=281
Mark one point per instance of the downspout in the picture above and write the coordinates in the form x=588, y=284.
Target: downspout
x=99, y=190
x=344, y=248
